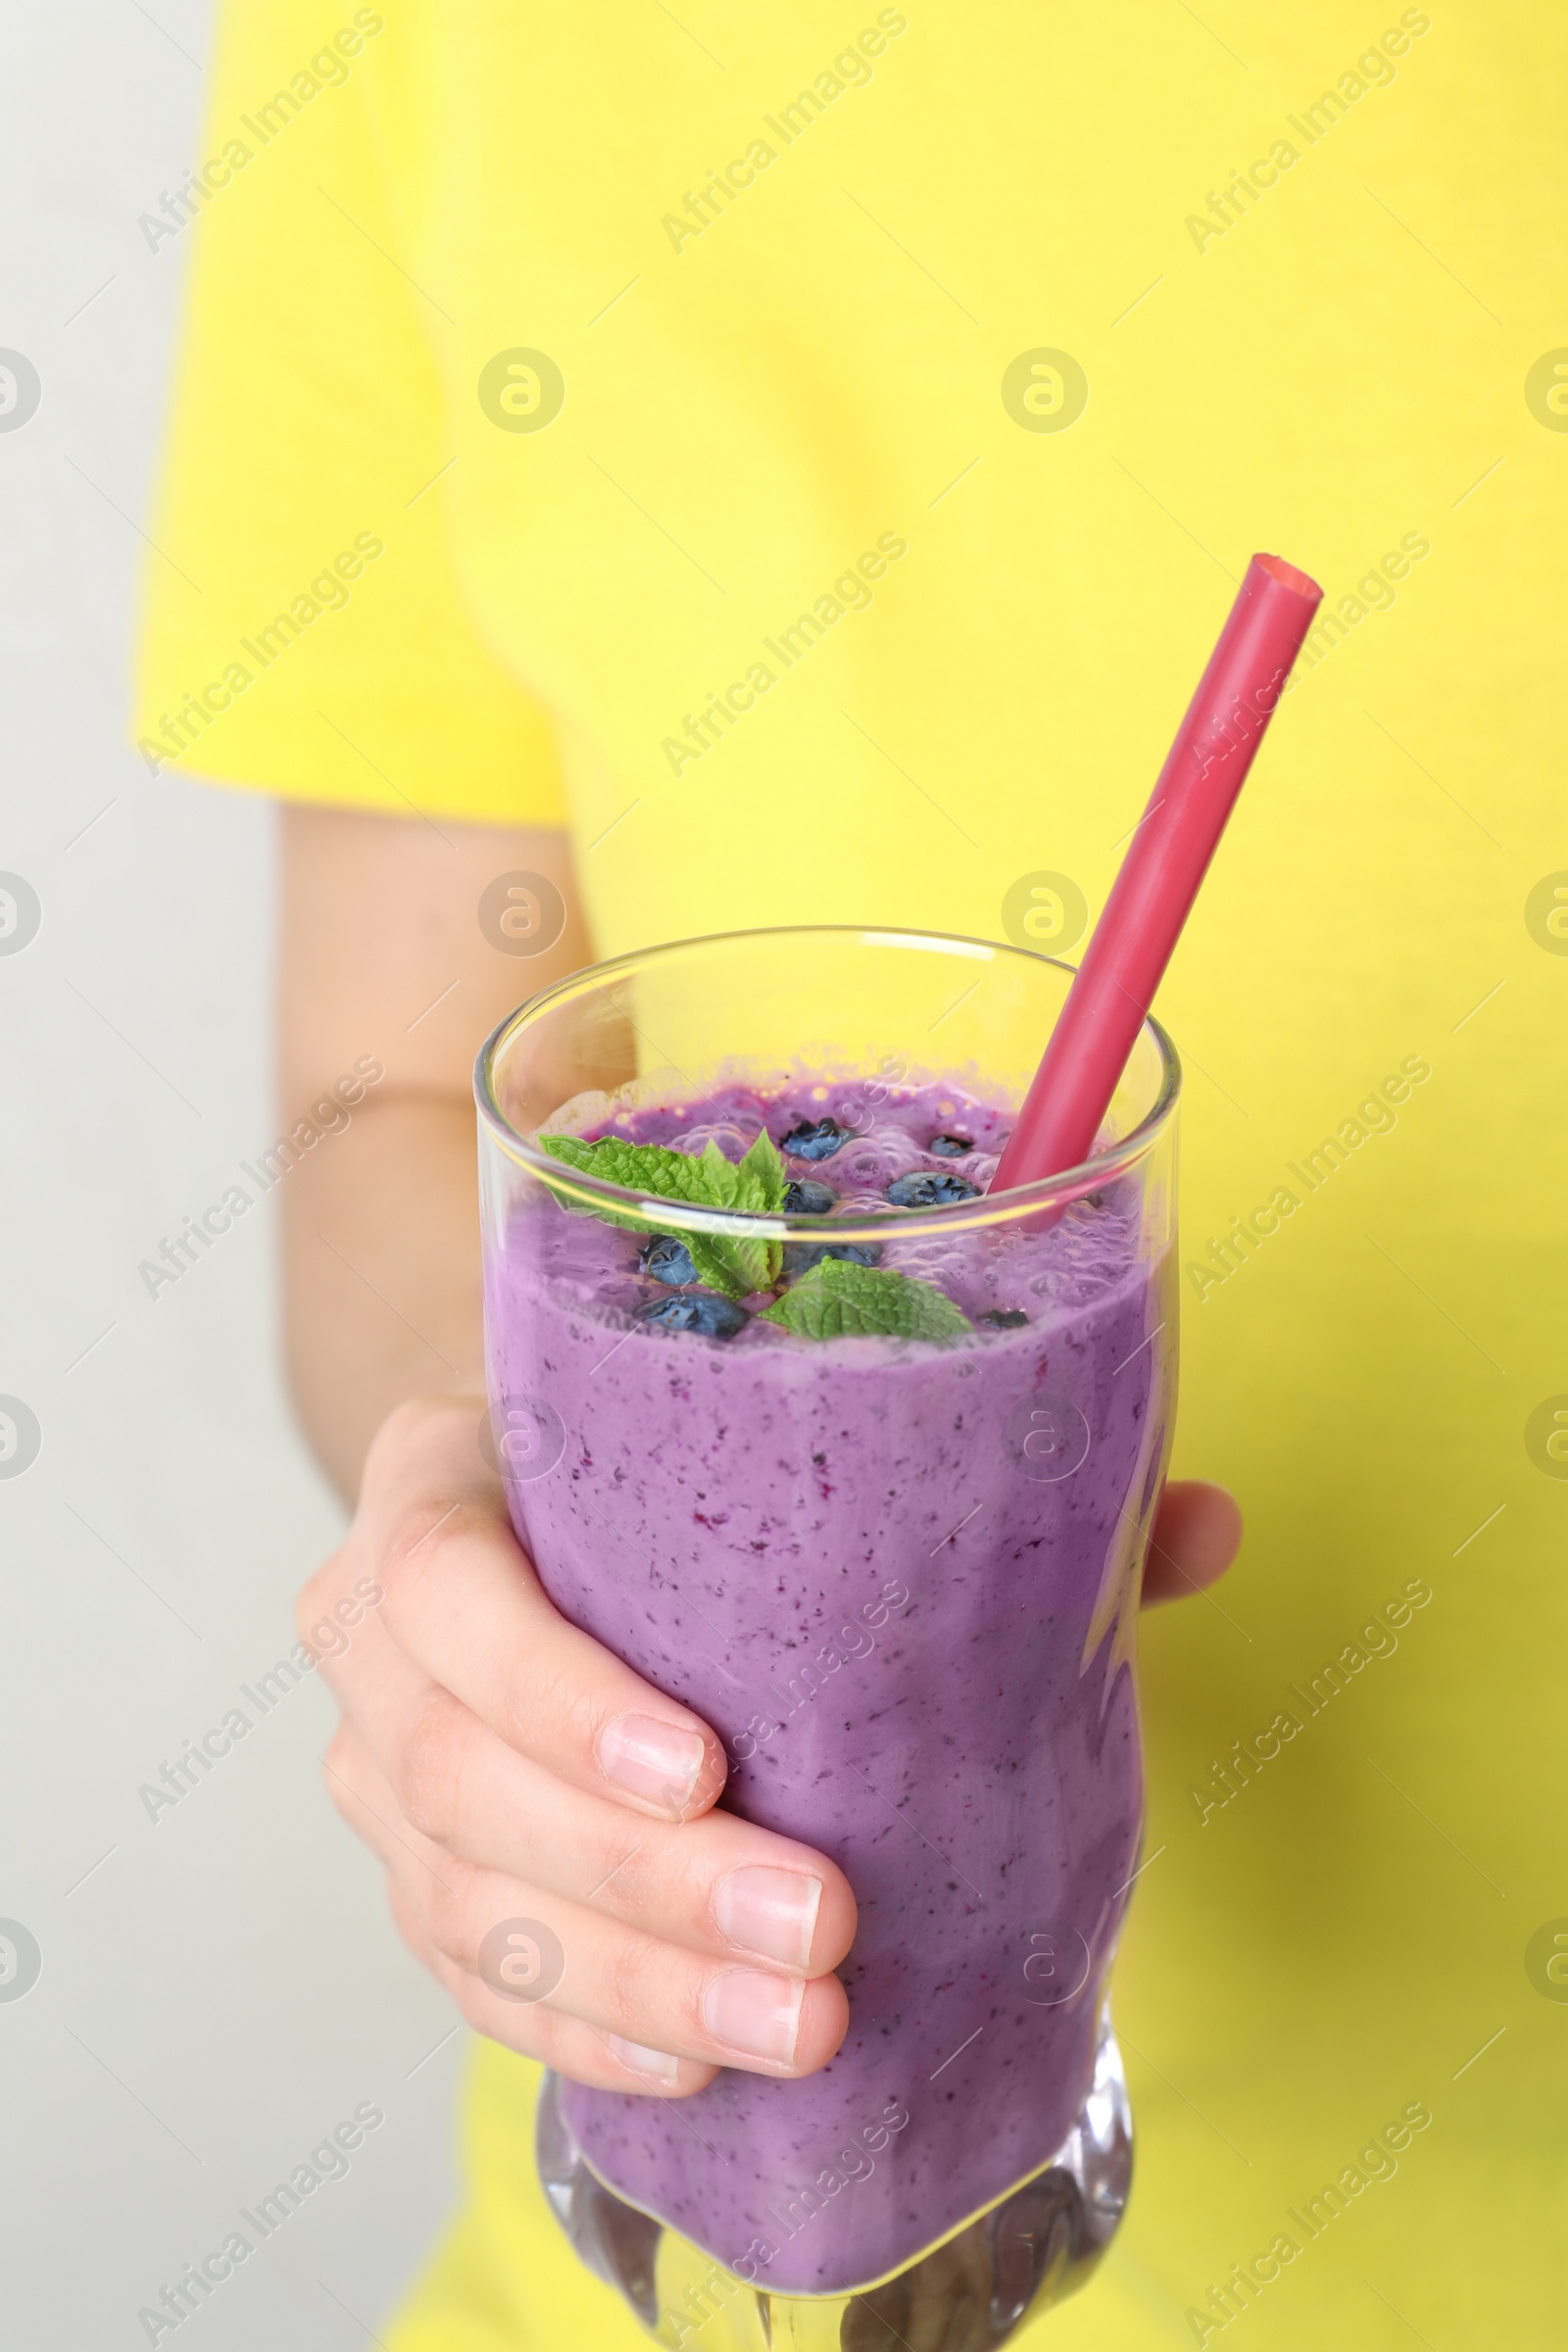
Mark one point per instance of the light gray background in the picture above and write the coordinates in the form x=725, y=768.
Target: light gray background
x=220, y=1987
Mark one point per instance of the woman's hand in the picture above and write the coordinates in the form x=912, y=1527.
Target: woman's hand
x=534, y=1801
x=546, y=1818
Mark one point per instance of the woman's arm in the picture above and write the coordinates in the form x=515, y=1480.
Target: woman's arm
x=383, y=961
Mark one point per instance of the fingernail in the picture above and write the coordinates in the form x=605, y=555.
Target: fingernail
x=656, y=2065
x=769, y=1911
x=759, y=2016
x=652, y=1759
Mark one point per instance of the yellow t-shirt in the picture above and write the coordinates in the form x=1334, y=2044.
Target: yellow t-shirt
x=812, y=451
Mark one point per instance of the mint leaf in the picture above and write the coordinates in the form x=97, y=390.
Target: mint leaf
x=639, y=1167
x=755, y=1188
x=762, y=1180
x=733, y=1264
x=841, y=1301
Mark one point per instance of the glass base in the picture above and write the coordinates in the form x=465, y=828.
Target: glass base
x=969, y=2292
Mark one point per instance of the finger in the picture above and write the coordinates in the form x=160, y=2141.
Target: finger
x=717, y=1885
x=1197, y=1532
x=529, y=1945
x=577, y=2050
x=604, y=2061
x=643, y=1993
x=339, y=1607
x=463, y=1601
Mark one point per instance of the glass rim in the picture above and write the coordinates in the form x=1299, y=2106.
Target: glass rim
x=959, y=1216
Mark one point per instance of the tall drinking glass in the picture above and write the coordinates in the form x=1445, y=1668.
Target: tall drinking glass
x=899, y=1578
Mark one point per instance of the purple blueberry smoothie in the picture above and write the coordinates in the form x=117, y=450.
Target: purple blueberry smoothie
x=899, y=1579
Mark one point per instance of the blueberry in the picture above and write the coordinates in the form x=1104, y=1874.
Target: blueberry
x=808, y=1200
x=667, y=1261
x=816, y=1140
x=701, y=1311
x=801, y=1257
x=1004, y=1318
x=923, y=1189
x=950, y=1147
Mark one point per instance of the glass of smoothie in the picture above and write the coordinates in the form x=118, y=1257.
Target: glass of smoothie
x=858, y=1460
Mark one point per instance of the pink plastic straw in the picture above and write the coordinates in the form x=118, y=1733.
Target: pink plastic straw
x=1161, y=874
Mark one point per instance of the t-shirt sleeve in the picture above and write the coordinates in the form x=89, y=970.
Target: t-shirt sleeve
x=304, y=630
